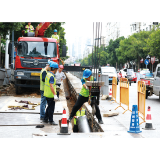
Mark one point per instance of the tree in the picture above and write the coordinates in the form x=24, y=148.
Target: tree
x=111, y=50
x=153, y=43
x=5, y=28
x=134, y=47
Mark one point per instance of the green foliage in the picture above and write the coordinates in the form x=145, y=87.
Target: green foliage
x=100, y=58
x=111, y=50
x=9, y=26
x=153, y=43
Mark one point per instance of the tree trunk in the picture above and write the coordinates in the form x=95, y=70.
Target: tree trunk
x=138, y=62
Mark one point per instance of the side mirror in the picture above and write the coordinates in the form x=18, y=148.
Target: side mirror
x=12, y=65
x=10, y=48
x=63, y=51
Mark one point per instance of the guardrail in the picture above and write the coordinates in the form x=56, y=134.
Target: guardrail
x=124, y=93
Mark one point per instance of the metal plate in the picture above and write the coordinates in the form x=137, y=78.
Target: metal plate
x=35, y=74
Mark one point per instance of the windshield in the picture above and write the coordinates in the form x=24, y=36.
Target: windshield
x=36, y=49
x=108, y=70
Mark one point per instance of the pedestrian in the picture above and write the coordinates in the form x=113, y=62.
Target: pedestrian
x=50, y=93
x=84, y=96
x=59, y=77
x=79, y=113
x=43, y=74
x=55, y=36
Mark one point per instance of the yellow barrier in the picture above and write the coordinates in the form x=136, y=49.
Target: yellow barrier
x=141, y=89
x=114, y=89
x=124, y=93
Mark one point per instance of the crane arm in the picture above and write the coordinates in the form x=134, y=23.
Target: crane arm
x=40, y=29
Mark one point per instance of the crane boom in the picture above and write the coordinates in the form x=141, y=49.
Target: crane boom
x=40, y=29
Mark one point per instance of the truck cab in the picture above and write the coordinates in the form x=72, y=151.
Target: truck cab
x=32, y=54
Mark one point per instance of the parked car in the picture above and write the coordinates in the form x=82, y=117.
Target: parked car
x=145, y=73
x=111, y=72
x=131, y=75
x=124, y=72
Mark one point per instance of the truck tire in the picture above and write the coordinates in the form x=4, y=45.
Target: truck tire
x=146, y=94
x=18, y=90
x=134, y=81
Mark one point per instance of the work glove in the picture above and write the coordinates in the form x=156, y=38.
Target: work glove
x=87, y=88
x=56, y=98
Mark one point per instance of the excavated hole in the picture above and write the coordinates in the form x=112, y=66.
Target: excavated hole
x=72, y=96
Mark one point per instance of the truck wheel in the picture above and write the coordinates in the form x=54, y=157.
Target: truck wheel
x=146, y=94
x=18, y=90
x=134, y=81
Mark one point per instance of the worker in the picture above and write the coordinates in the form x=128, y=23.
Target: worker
x=50, y=93
x=29, y=28
x=55, y=36
x=59, y=77
x=84, y=95
x=43, y=74
x=79, y=113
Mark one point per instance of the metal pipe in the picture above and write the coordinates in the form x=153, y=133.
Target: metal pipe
x=6, y=52
x=83, y=125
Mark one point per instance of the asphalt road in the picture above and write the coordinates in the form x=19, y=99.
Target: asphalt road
x=124, y=119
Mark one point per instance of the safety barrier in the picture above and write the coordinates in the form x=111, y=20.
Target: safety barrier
x=124, y=93
x=141, y=89
x=114, y=89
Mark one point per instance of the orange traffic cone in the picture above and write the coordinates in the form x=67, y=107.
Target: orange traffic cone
x=148, y=125
x=64, y=124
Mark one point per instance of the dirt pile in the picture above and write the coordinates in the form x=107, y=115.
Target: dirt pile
x=9, y=90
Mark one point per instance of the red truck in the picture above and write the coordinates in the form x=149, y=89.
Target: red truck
x=32, y=54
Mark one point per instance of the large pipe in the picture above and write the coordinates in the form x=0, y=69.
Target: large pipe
x=83, y=125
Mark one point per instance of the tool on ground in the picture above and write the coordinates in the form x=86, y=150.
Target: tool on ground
x=134, y=123
x=111, y=113
x=64, y=124
x=148, y=124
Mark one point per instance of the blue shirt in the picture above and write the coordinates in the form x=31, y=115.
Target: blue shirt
x=44, y=76
x=51, y=79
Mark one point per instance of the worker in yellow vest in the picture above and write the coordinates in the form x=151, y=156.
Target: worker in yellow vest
x=29, y=28
x=79, y=113
x=50, y=93
x=43, y=74
x=55, y=36
x=84, y=95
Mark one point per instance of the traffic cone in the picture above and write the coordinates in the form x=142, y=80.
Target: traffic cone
x=110, y=93
x=64, y=124
x=148, y=125
x=134, y=124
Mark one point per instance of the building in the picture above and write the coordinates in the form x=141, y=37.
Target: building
x=112, y=31
x=136, y=27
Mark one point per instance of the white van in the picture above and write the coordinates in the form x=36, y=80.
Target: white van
x=156, y=82
x=110, y=71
